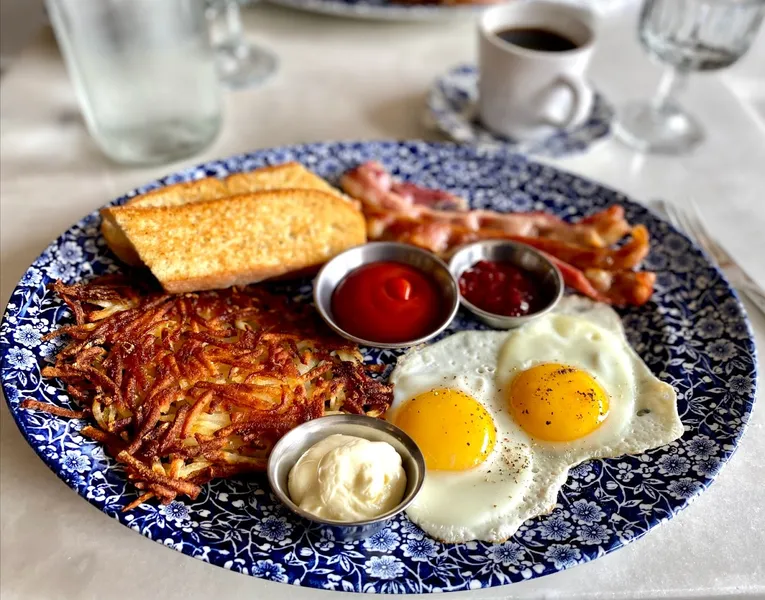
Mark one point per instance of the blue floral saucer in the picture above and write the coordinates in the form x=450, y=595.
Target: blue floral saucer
x=693, y=334
x=452, y=109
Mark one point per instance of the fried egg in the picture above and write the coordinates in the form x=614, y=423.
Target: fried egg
x=501, y=416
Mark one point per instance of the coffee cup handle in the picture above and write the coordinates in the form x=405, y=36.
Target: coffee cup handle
x=581, y=101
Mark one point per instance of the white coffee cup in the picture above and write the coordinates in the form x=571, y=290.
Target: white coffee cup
x=528, y=94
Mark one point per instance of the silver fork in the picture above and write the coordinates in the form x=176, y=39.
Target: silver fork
x=693, y=225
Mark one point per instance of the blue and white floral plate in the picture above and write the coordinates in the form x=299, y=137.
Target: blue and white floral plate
x=452, y=108
x=384, y=10
x=694, y=334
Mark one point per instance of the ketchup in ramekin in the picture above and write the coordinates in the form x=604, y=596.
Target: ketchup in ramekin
x=501, y=288
x=387, y=302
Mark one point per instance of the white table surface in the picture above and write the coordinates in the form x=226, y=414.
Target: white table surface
x=344, y=79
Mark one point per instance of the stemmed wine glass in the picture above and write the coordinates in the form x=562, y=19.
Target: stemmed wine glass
x=240, y=62
x=685, y=35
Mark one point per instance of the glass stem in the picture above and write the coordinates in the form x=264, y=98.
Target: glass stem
x=672, y=82
x=234, y=23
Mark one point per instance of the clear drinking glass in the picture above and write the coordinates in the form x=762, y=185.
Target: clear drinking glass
x=144, y=72
x=685, y=35
x=240, y=62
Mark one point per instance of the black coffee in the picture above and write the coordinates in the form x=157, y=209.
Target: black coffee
x=536, y=39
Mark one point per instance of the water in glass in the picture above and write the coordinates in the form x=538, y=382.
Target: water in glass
x=144, y=74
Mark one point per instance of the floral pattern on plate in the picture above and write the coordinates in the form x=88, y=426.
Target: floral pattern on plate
x=693, y=334
x=452, y=107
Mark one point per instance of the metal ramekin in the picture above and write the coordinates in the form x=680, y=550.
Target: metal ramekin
x=523, y=256
x=293, y=445
x=336, y=270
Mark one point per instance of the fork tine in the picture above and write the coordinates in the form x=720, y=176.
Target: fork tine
x=705, y=238
x=672, y=216
x=680, y=221
x=755, y=296
x=693, y=226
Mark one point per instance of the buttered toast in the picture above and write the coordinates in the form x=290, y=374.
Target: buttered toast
x=239, y=239
x=291, y=175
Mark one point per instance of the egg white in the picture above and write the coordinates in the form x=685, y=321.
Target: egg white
x=457, y=505
x=522, y=476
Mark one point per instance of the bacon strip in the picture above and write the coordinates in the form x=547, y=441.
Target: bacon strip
x=576, y=279
x=419, y=196
x=609, y=224
x=623, y=288
x=380, y=196
x=629, y=256
x=372, y=184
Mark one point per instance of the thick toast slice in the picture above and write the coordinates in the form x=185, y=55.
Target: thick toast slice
x=291, y=175
x=239, y=239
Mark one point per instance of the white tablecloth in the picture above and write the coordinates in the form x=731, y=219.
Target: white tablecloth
x=342, y=79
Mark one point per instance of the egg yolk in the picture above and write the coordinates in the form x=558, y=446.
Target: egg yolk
x=557, y=403
x=453, y=430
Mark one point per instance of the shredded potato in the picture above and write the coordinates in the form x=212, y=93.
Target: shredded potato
x=184, y=389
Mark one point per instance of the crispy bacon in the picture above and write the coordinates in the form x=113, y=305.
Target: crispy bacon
x=581, y=250
x=609, y=224
x=628, y=256
x=577, y=280
x=377, y=191
x=184, y=389
x=623, y=287
x=373, y=185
